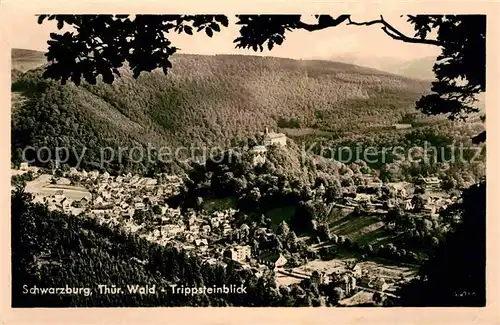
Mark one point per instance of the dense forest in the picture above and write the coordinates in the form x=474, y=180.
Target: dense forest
x=204, y=100
x=442, y=149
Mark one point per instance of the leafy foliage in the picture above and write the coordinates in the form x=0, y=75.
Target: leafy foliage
x=461, y=68
x=455, y=274
x=103, y=43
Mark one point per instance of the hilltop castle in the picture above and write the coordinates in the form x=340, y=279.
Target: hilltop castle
x=271, y=138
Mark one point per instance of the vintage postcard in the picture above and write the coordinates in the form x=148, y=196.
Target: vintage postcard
x=247, y=158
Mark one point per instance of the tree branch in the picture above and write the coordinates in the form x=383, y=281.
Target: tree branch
x=324, y=21
x=394, y=33
x=365, y=23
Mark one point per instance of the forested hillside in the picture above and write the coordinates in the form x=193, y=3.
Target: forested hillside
x=58, y=251
x=208, y=100
x=226, y=100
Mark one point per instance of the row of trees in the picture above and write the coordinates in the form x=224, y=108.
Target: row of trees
x=443, y=149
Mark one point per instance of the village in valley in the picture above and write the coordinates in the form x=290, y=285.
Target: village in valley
x=139, y=205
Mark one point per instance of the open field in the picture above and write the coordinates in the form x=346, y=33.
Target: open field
x=364, y=229
x=360, y=298
x=214, y=204
x=41, y=186
x=300, y=132
x=277, y=215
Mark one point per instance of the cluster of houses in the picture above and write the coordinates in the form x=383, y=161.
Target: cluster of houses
x=127, y=193
x=354, y=279
x=429, y=203
x=117, y=200
x=137, y=204
x=196, y=233
x=102, y=194
x=60, y=202
x=345, y=279
x=24, y=168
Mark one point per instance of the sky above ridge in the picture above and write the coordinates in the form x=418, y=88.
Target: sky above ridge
x=354, y=44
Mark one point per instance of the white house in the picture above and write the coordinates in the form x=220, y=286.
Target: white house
x=260, y=271
x=171, y=230
x=215, y=222
x=271, y=138
x=378, y=284
x=98, y=200
x=134, y=179
x=189, y=237
x=348, y=283
x=105, y=175
x=430, y=181
x=140, y=206
x=24, y=166
x=409, y=204
x=226, y=229
x=401, y=126
x=63, y=181
x=195, y=229
x=128, y=213
x=66, y=205
x=258, y=155
x=150, y=181
x=106, y=195
x=238, y=253
x=201, y=244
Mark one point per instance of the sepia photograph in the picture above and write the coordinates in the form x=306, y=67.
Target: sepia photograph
x=248, y=160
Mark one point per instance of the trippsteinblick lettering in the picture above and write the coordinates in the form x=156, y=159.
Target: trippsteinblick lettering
x=230, y=289
x=135, y=289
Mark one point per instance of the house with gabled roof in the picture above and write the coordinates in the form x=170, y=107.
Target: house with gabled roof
x=272, y=259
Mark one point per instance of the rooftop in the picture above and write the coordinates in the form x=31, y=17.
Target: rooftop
x=270, y=256
x=258, y=149
x=274, y=135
